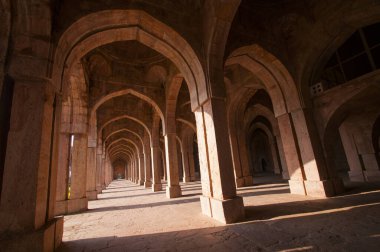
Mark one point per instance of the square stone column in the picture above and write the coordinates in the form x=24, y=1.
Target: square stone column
x=156, y=161
x=190, y=156
x=243, y=156
x=185, y=164
x=173, y=190
x=292, y=158
x=91, y=193
x=320, y=182
x=148, y=168
x=25, y=207
x=356, y=172
x=98, y=170
x=219, y=199
x=141, y=170
x=77, y=200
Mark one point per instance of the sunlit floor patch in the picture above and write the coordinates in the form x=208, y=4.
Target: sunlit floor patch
x=130, y=218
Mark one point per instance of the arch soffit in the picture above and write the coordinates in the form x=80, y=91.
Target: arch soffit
x=105, y=27
x=264, y=128
x=112, y=95
x=260, y=110
x=126, y=130
x=126, y=117
x=124, y=148
x=120, y=140
x=277, y=80
x=131, y=137
x=187, y=123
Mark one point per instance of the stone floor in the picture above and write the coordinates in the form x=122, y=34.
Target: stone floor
x=128, y=217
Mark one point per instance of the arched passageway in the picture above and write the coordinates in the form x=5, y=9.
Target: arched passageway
x=161, y=111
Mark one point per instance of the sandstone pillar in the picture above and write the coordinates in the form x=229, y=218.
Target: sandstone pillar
x=318, y=180
x=91, y=193
x=243, y=155
x=62, y=172
x=219, y=199
x=185, y=163
x=190, y=157
x=356, y=171
x=173, y=190
x=99, y=170
x=293, y=162
x=141, y=170
x=25, y=214
x=148, y=167
x=102, y=172
x=273, y=149
x=285, y=173
x=78, y=200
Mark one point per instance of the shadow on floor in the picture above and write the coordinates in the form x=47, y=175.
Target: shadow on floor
x=353, y=229
x=148, y=205
x=357, y=198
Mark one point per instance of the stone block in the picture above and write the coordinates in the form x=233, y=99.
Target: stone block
x=156, y=187
x=173, y=192
x=297, y=187
x=77, y=205
x=186, y=179
x=248, y=180
x=356, y=176
x=372, y=175
x=206, y=206
x=338, y=186
x=92, y=195
x=147, y=184
x=47, y=238
x=322, y=188
x=239, y=182
x=225, y=211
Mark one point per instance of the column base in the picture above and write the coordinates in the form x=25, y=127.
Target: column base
x=173, y=191
x=47, y=238
x=324, y=188
x=225, y=211
x=285, y=175
x=186, y=179
x=244, y=181
x=98, y=189
x=147, y=184
x=372, y=176
x=297, y=187
x=356, y=176
x=92, y=195
x=338, y=186
x=71, y=206
x=140, y=182
x=156, y=187
x=248, y=180
x=239, y=182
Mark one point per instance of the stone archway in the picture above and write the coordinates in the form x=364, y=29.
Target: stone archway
x=308, y=172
